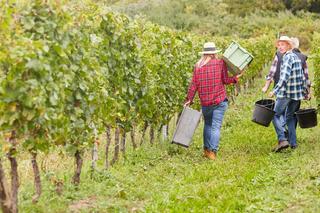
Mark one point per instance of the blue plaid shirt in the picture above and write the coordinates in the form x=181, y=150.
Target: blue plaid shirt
x=292, y=83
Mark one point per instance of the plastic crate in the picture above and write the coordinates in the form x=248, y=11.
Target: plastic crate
x=187, y=124
x=236, y=58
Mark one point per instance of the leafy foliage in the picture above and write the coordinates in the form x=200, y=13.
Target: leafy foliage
x=308, y=5
x=316, y=64
x=72, y=70
x=246, y=176
x=243, y=19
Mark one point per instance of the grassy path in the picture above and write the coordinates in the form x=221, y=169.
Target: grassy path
x=246, y=177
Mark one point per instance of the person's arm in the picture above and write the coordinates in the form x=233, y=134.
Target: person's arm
x=273, y=69
x=266, y=86
x=270, y=76
x=225, y=78
x=192, y=89
x=306, y=75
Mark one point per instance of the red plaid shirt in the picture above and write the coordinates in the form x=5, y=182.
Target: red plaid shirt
x=209, y=81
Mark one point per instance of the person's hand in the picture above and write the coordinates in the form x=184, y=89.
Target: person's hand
x=271, y=94
x=239, y=75
x=265, y=89
x=308, y=97
x=187, y=103
x=266, y=86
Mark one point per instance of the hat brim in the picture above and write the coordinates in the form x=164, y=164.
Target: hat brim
x=289, y=42
x=210, y=52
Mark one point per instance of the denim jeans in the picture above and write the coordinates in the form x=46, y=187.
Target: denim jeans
x=285, y=109
x=213, y=116
x=285, y=122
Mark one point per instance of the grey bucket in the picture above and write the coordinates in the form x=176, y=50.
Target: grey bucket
x=307, y=118
x=263, y=112
x=186, y=126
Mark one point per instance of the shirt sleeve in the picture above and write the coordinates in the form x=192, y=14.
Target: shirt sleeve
x=273, y=68
x=284, y=74
x=193, y=87
x=306, y=74
x=225, y=78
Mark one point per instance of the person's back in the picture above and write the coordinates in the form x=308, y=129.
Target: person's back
x=296, y=50
x=301, y=56
x=208, y=79
x=211, y=78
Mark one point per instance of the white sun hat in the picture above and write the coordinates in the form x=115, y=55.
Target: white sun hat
x=295, y=42
x=286, y=39
x=209, y=48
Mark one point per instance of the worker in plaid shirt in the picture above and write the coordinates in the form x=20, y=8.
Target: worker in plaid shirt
x=274, y=72
x=291, y=88
x=209, y=77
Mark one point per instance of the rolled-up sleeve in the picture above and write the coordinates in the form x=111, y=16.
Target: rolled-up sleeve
x=273, y=68
x=306, y=74
x=225, y=78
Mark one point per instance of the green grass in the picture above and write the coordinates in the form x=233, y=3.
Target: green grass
x=246, y=177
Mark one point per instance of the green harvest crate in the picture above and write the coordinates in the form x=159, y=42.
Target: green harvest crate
x=236, y=57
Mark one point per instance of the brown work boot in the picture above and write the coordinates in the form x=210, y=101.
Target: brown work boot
x=281, y=145
x=210, y=154
x=205, y=152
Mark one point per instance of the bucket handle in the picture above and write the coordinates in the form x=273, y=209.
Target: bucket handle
x=310, y=105
x=309, y=102
x=262, y=98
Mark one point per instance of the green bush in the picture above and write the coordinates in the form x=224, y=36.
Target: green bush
x=316, y=64
x=227, y=18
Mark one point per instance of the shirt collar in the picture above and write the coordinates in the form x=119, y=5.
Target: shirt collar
x=289, y=51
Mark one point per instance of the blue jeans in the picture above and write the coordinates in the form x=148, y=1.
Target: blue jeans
x=213, y=116
x=285, y=109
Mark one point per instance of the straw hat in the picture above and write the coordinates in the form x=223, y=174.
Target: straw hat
x=209, y=48
x=285, y=39
x=295, y=42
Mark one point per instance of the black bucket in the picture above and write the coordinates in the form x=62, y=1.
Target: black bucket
x=307, y=118
x=269, y=103
x=263, y=112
